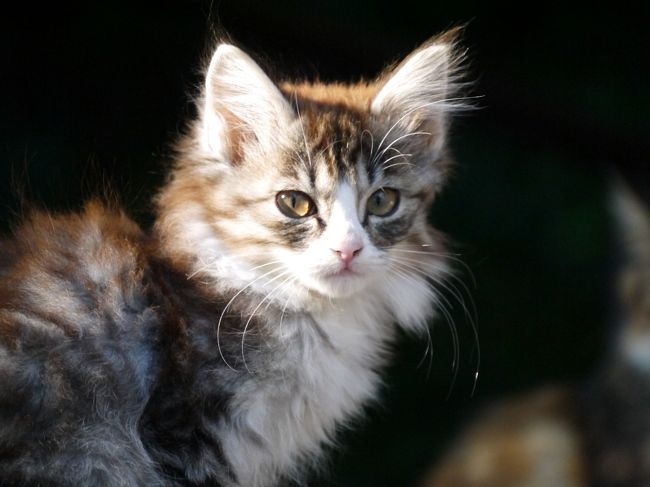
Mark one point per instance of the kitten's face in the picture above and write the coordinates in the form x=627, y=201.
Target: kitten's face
x=328, y=207
x=313, y=189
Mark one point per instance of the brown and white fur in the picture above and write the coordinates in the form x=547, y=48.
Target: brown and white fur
x=226, y=347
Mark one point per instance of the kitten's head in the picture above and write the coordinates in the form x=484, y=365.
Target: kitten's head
x=313, y=189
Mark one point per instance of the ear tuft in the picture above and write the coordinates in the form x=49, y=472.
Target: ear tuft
x=242, y=106
x=421, y=91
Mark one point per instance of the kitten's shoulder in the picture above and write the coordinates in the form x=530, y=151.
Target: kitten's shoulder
x=78, y=350
x=99, y=238
x=67, y=265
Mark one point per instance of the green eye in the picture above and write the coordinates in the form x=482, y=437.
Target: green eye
x=383, y=202
x=295, y=204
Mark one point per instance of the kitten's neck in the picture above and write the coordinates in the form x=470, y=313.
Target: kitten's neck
x=265, y=390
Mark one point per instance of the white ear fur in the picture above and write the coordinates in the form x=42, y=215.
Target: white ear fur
x=241, y=105
x=416, y=95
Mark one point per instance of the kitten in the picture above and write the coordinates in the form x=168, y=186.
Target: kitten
x=226, y=346
x=595, y=434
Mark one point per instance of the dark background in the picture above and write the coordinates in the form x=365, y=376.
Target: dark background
x=94, y=95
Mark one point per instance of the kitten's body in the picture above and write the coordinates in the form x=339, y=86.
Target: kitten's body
x=226, y=347
x=595, y=434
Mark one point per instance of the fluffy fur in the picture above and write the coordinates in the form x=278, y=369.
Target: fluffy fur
x=226, y=347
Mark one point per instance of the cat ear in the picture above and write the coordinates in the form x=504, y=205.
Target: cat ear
x=242, y=106
x=416, y=96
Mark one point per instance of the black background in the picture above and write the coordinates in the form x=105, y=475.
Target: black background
x=94, y=95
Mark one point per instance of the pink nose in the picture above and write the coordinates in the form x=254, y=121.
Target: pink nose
x=347, y=252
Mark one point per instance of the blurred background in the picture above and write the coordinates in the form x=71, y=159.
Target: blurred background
x=94, y=95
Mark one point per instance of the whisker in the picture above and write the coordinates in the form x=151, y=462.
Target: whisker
x=202, y=268
x=410, y=134
x=223, y=312
x=284, y=308
x=405, y=156
x=427, y=252
x=438, y=282
x=446, y=255
x=419, y=107
x=453, y=290
x=398, y=164
x=230, y=254
x=286, y=303
x=406, y=114
x=452, y=330
x=447, y=103
x=472, y=317
x=250, y=318
x=428, y=352
x=405, y=265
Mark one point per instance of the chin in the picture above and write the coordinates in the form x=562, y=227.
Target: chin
x=340, y=285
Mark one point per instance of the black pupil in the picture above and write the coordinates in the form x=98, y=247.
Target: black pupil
x=379, y=198
x=294, y=200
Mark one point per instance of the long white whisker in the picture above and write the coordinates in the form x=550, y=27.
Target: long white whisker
x=405, y=156
x=455, y=363
x=223, y=312
x=284, y=309
x=398, y=164
x=430, y=252
x=443, y=304
x=403, y=273
x=448, y=273
x=217, y=257
x=408, y=112
x=410, y=134
x=471, y=315
x=202, y=268
x=286, y=303
x=250, y=318
x=406, y=266
x=418, y=265
x=434, y=265
x=428, y=352
x=448, y=286
x=445, y=255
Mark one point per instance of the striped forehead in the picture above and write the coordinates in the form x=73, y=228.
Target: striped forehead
x=334, y=140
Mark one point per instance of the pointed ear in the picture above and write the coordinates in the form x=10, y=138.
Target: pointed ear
x=416, y=95
x=242, y=106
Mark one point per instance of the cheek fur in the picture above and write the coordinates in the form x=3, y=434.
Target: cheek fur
x=387, y=232
x=296, y=233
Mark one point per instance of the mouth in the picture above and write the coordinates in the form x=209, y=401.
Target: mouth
x=344, y=272
x=340, y=282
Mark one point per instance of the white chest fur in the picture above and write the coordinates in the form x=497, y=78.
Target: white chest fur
x=326, y=370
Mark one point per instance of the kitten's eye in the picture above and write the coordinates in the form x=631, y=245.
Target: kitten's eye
x=295, y=204
x=383, y=202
